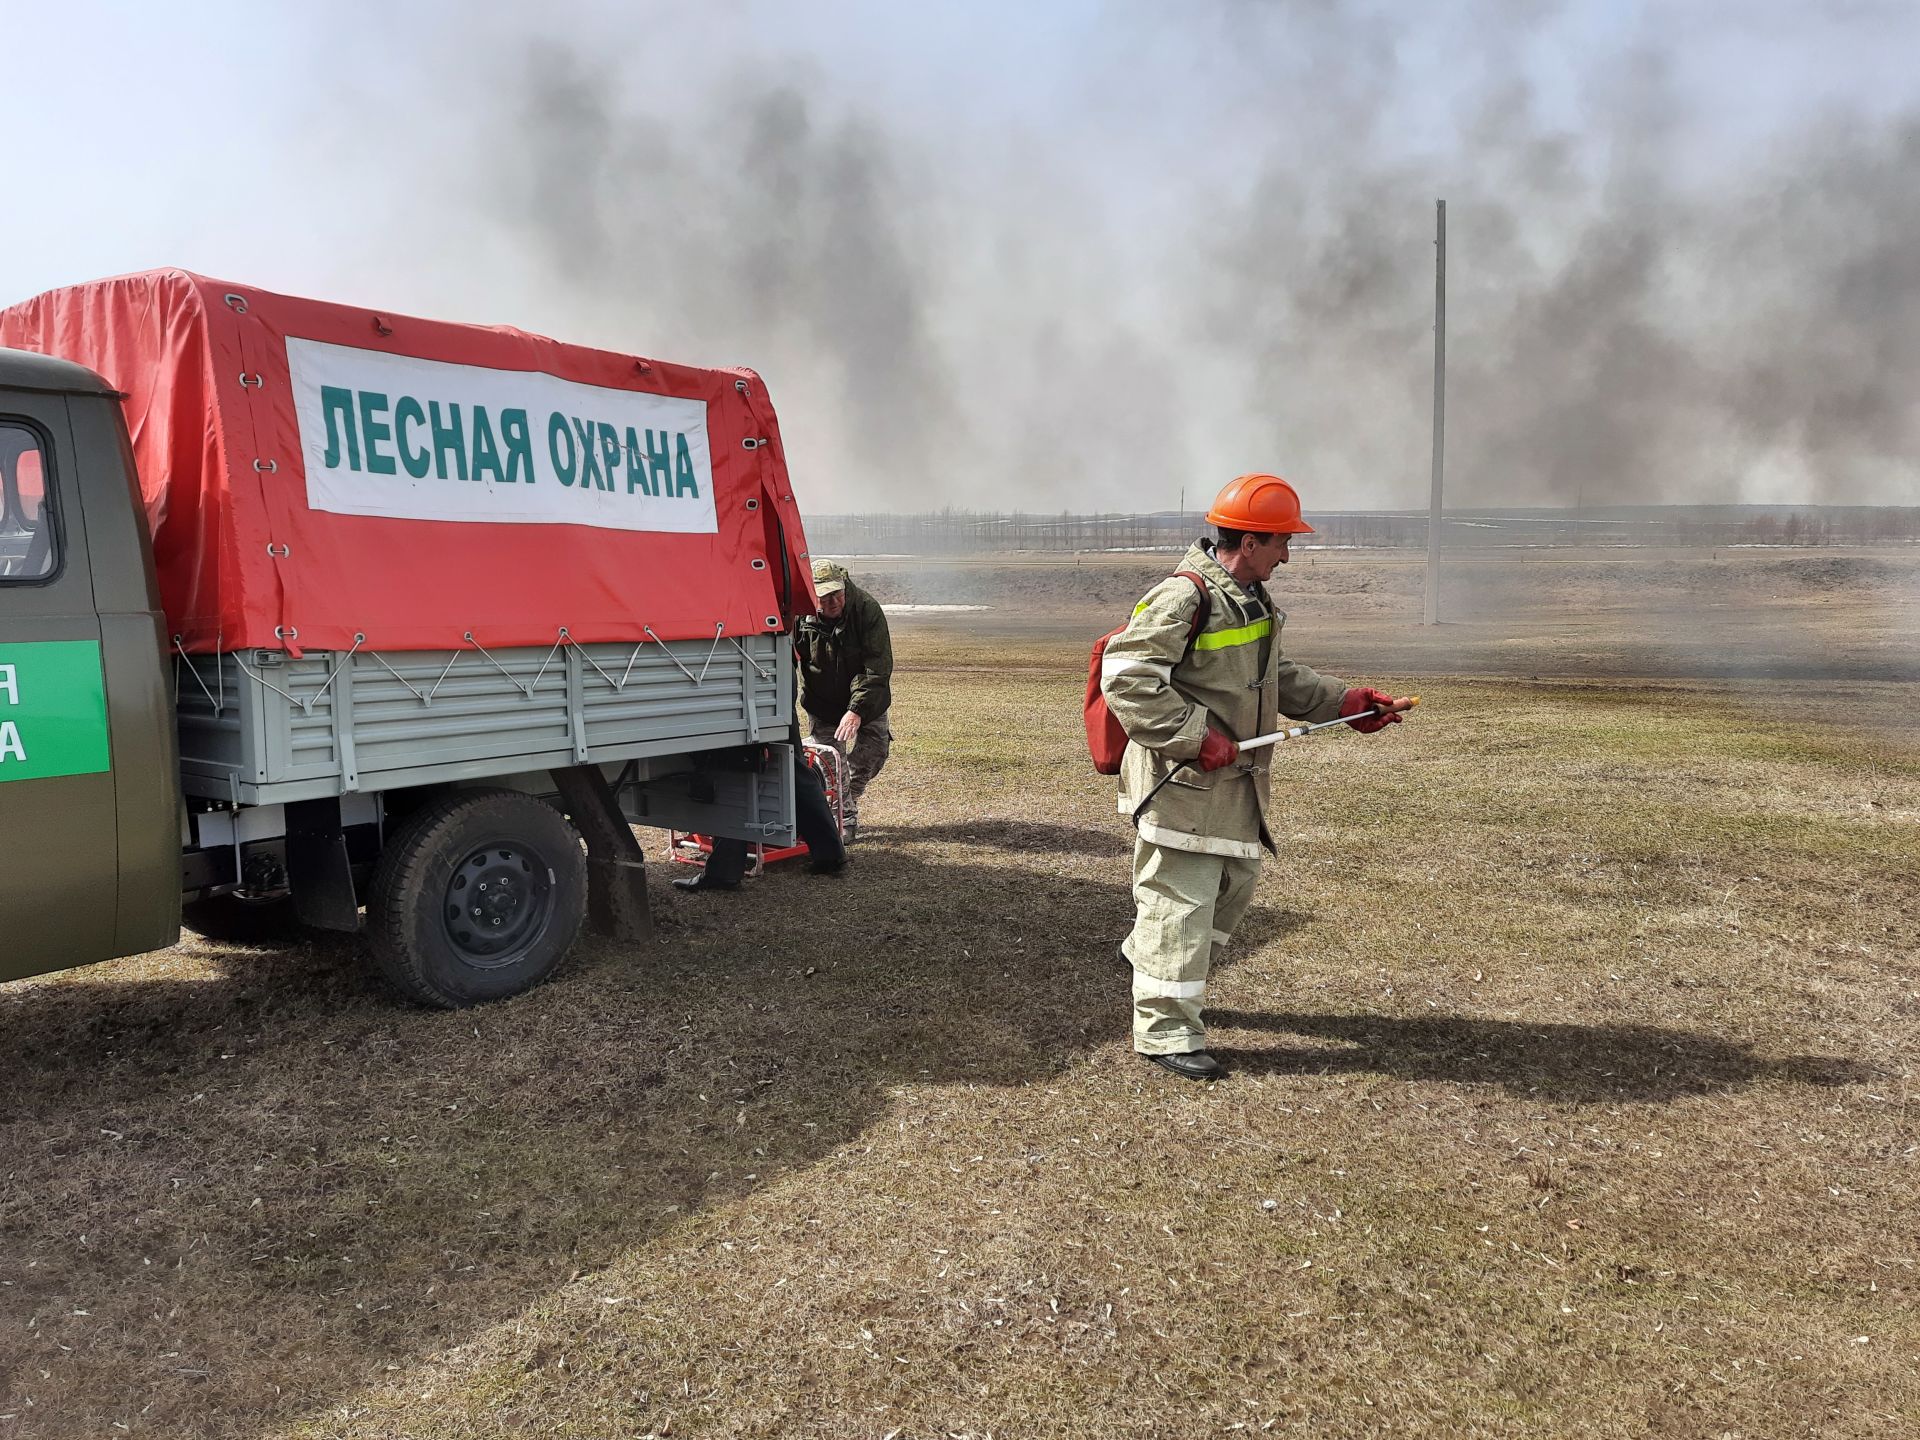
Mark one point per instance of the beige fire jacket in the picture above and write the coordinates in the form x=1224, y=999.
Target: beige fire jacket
x=1163, y=694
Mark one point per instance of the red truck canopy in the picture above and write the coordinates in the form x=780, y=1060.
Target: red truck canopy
x=317, y=473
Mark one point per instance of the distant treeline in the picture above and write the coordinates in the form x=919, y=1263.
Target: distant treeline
x=961, y=532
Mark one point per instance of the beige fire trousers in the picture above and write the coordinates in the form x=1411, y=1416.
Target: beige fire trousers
x=1185, y=905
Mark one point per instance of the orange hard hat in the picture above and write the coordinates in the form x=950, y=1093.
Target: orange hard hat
x=1260, y=504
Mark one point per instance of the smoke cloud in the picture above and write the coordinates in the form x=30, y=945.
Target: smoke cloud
x=1143, y=253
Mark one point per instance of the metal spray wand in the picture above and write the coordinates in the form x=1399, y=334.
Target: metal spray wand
x=1258, y=741
x=1296, y=731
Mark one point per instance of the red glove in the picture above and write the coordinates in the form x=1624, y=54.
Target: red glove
x=1217, y=750
x=1362, y=698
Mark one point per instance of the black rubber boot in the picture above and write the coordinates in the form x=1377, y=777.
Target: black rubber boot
x=703, y=881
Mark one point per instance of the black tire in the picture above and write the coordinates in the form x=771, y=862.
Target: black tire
x=515, y=860
x=242, y=920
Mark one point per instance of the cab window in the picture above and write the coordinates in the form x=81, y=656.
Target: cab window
x=28, y=548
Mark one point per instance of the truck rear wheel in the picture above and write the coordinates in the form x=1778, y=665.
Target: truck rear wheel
x=477, y=897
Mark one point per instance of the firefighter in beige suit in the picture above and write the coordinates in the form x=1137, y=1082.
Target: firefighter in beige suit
x=1197, y=854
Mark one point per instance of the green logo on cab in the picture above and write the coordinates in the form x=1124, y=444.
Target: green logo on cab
x=53, y=710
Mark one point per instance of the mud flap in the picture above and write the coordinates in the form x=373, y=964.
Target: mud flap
x=322, y=880
x=616, y=870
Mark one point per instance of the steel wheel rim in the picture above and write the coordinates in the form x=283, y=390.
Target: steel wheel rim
x=499, y=901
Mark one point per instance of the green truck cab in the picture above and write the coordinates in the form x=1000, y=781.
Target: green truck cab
x=466, y=802
x=89, y=791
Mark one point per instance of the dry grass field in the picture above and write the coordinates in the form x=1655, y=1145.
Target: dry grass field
x=1572, y=1037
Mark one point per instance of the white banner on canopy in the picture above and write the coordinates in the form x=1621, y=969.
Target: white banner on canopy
x=411, y=439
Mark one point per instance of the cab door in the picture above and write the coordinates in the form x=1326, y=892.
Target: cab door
x=59, y=862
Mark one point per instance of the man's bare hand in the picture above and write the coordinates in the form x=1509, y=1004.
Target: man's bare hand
x=847, y=729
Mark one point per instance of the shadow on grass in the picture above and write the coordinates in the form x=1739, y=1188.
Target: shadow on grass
x=289, y=1182
x=1028, y=837
x=1575, y=1064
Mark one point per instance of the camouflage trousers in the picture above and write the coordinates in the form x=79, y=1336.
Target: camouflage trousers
x=1186, y=905
x=867, y=759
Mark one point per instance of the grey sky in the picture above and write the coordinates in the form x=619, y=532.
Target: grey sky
x=1072, y=256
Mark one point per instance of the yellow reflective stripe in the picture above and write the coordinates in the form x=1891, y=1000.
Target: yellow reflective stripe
x=1240, y=635
x=1141, y=606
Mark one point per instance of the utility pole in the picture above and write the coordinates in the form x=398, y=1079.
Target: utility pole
x=1439, y=408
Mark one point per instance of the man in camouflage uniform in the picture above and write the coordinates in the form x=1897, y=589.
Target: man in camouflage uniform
x=846, y=679
x=1184, y=703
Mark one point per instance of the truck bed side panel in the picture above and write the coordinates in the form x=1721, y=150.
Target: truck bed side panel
x=261, y=728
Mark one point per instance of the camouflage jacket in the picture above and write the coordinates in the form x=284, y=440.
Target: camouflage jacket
x=846, y=665
x=1164, y=693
